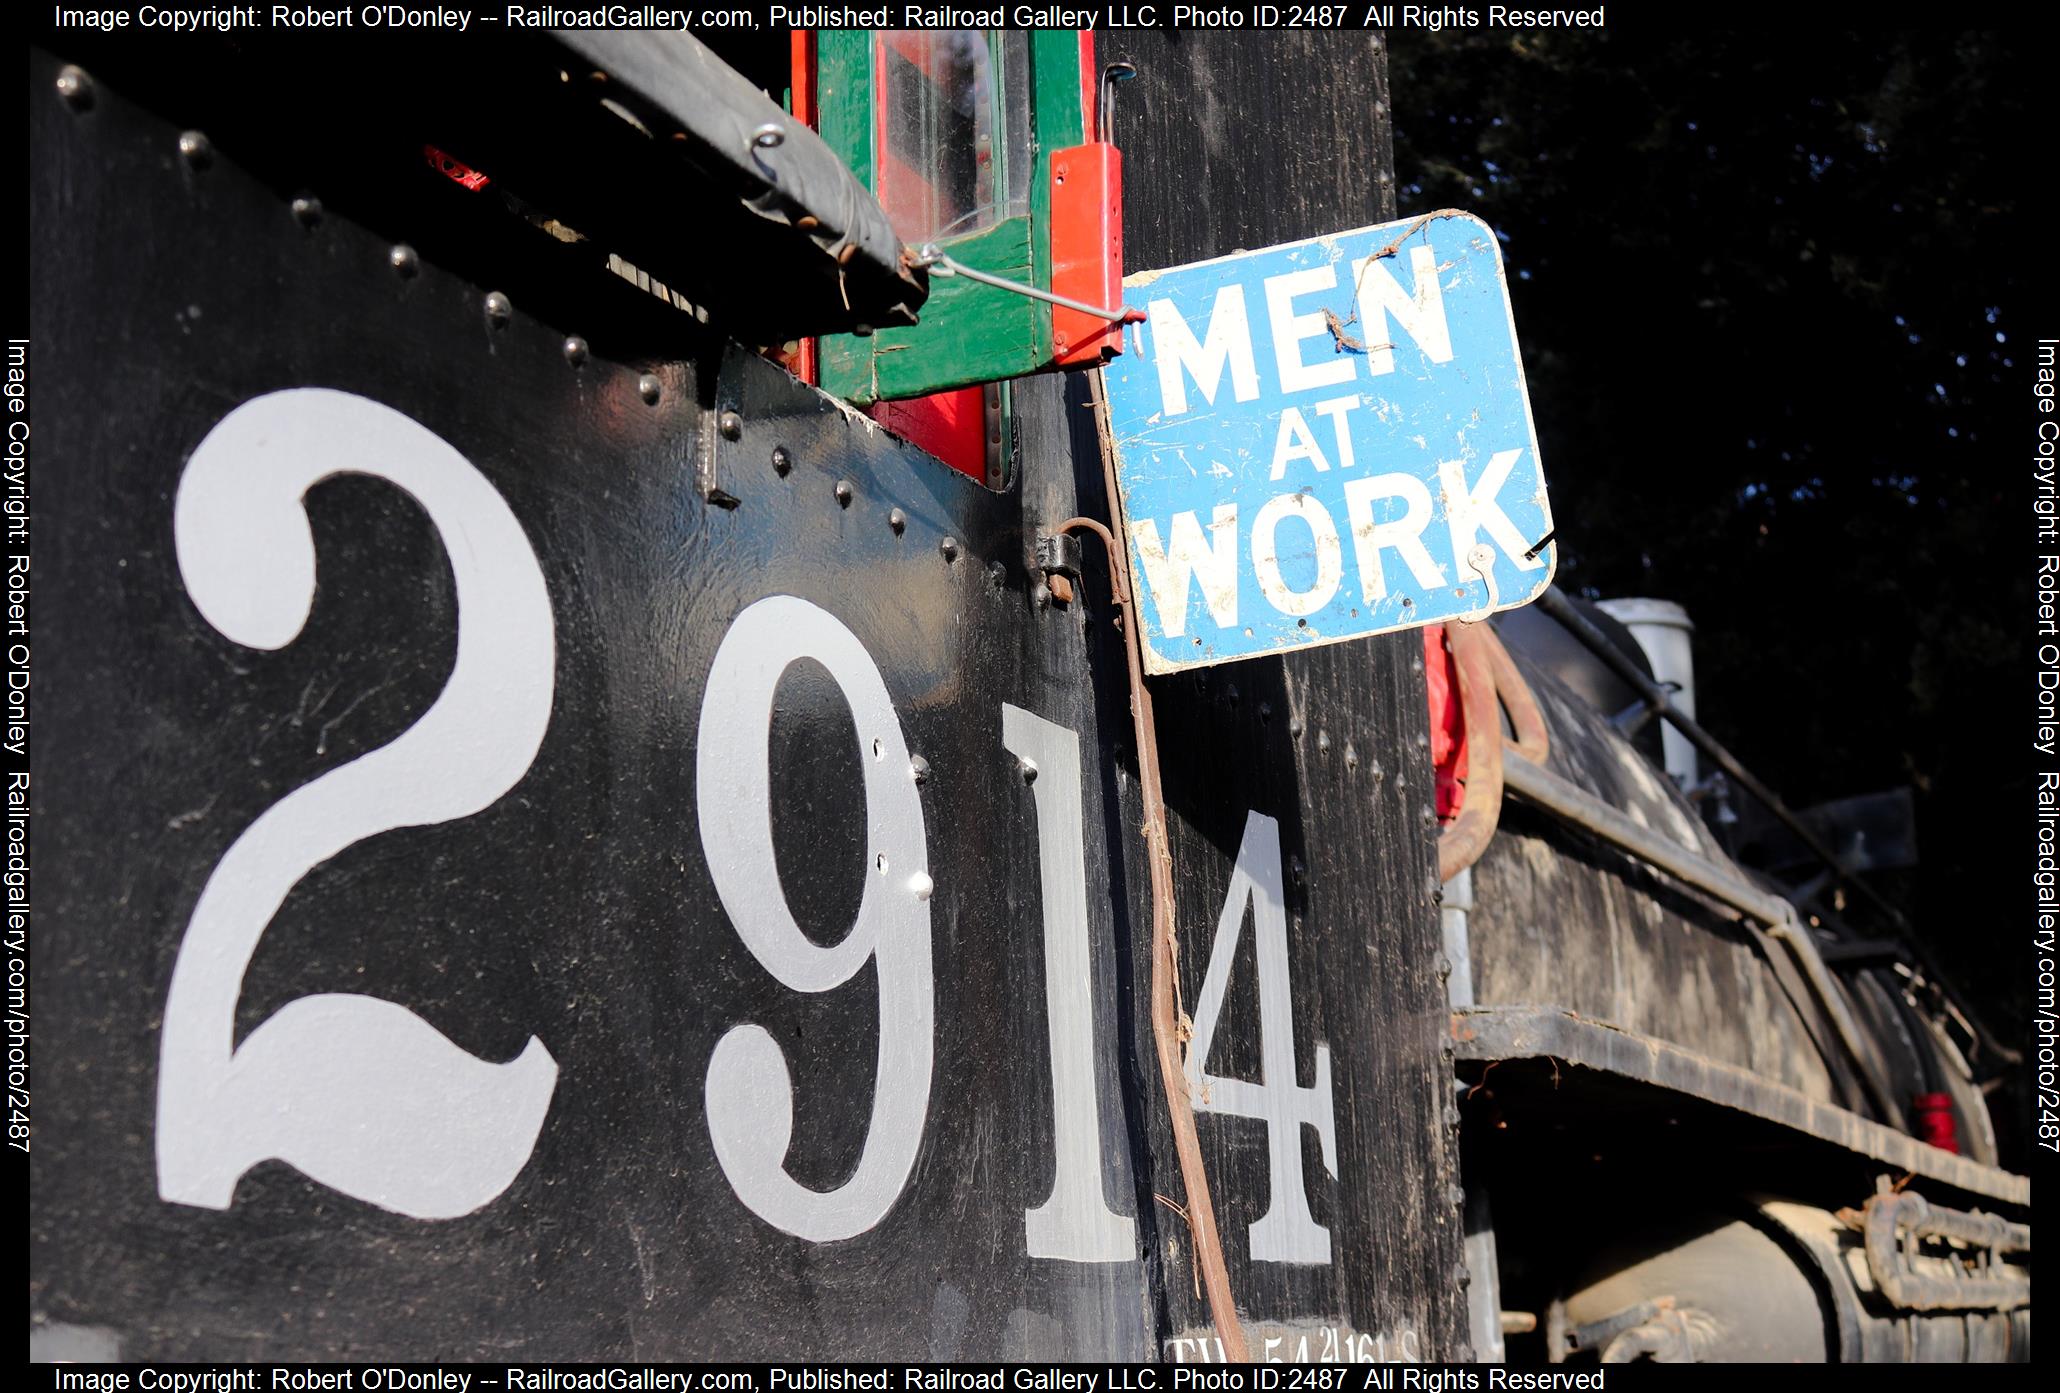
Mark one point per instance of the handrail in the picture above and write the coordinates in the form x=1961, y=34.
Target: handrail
x=1555, y=603
x=1576, y=805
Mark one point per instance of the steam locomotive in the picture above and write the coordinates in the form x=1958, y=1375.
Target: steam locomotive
x=593, y=799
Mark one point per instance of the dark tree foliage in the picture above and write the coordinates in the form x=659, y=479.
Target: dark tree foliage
x=1776, y=297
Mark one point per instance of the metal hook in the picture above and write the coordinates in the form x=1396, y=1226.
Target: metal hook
x=1104, y=119
x=1481, y=561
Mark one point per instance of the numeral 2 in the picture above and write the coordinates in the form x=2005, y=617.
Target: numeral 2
x=360, y=1094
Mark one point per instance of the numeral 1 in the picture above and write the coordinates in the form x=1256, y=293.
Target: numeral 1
x=1075, y=1223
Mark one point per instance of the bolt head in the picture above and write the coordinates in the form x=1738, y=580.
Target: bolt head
x=730, y=424
x=843, y=492
x=403, y=259
x=897, y=520
x=575, y=350
x=499, y=310
x=195, y=149
x=919, y=769
x=949, y=546
x=1029, y=770
x=650, y=389
x=782, y=462
x=75, y=88
x=307, y=211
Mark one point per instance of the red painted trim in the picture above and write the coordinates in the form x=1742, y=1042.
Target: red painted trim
x=950, y=425
x=1090, y=88
x=1086, y=251
x=1448, y=723
x=801, y=95
x=801, y=76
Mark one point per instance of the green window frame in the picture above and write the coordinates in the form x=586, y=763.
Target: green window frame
x=970, y=333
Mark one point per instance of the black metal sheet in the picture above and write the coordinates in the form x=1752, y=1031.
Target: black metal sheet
x=580, y=908
x=1341, y=736
x=1492, y=1034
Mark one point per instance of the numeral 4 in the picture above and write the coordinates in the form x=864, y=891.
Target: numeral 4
x=1286, y=1232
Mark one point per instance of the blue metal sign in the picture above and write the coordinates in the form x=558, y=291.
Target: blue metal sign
x=1325, y=440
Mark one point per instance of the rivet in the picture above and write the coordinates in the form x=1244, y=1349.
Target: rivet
x=1265, y=710
x=1231, y=694
x=575, y=350
x=949, y=546
x=193, y=147
x=1460, y=1276
x=403, y=259
x=1452, y=1116
x=781, y=461
x=1323, y=742
x=997, y=575
x=730, y=424
x=498, y=310
x=1455, y=1195
x=1294, y=870
x=650, y=389
x=75, y=88
x=1351, y=756
x=1428, y=817
x=921, y=886
x=862, y=331
x=897, y=520
x=843, y=492
x=769, y=136
x=919, y=769
x=1295, y=727
x=1029, y=770
x=1040, y=595
x=307, y=211
x=1444, y=967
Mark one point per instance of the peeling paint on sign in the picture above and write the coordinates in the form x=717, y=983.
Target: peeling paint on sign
x=1325, y=440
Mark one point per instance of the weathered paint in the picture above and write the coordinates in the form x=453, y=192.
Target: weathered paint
x=1327, y=439
x=584, y=907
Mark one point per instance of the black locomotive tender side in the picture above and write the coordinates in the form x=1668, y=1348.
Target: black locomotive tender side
x=1651, y=1125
